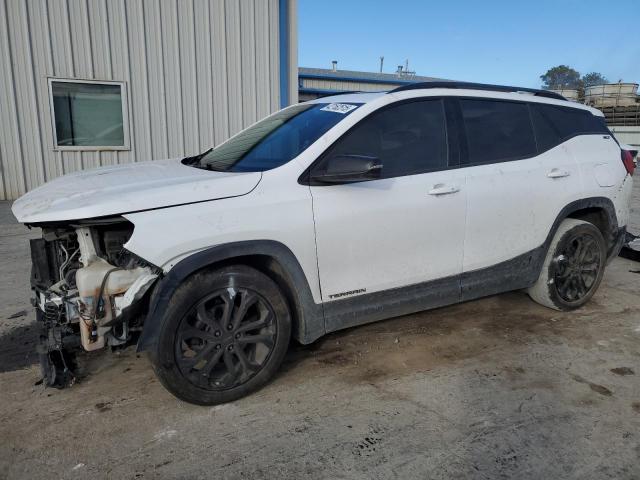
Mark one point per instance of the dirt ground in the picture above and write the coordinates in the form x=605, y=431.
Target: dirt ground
x=495, y=388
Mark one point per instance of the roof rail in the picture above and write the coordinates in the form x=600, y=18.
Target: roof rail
x=478, y=86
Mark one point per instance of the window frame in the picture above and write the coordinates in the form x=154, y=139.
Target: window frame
x=124, y=97
x=305, y=178
x=456, y=134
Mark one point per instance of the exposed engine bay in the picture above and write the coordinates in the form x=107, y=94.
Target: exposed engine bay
x=89, y=292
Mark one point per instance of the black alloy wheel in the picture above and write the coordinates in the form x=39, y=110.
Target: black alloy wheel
x=224, y=335
x=226, y=338
x=577, y=267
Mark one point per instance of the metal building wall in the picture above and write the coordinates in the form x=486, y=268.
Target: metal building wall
x=331, y=84
x=196, y=72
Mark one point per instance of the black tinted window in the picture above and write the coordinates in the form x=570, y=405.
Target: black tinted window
x=408, y=139
x=497, y=131
x=554, y=125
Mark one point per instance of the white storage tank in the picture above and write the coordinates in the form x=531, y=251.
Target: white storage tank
x=568, y=93
x=611, y=95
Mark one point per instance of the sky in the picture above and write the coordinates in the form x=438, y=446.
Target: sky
x=490, y=41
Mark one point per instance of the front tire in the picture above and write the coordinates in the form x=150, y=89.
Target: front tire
x=224, y=335
x=573, y=267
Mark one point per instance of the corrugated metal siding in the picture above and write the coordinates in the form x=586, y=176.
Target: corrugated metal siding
x=196, y=72
x=331, y=84
x=293, y=50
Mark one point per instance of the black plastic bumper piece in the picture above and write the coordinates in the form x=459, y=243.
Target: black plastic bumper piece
x=628, y=249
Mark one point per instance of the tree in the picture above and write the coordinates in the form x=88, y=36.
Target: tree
x=593, y=78
x=560, y=77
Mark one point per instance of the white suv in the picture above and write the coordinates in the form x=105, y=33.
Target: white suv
x=325, y=215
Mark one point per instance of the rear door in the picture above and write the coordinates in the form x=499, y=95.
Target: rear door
x=515, y=190
x=402, y=229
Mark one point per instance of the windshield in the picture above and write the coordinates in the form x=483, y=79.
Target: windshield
x=277, y=139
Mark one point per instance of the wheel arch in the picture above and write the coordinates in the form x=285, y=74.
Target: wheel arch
x=272, y=258
x=600, y=211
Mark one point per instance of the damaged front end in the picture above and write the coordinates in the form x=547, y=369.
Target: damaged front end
x=89, y=292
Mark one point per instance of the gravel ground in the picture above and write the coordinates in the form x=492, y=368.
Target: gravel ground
x=498, y=387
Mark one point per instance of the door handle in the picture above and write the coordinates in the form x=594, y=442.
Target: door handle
x=558, y=173
x=442, y=189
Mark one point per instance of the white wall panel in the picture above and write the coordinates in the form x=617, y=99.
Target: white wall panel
x=189, y=79
x=274, y=57
x=195, y=72
x=203, y=74
x=220, y=74
x=28, y=125
x=10, y=135
x=122, y=56
x=234, y=62
x=261, y=55
x=248, y=61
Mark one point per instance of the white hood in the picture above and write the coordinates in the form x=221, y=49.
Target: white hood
x=128, y=188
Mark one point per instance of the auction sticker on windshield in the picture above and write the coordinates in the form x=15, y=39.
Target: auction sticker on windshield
x=339, y=107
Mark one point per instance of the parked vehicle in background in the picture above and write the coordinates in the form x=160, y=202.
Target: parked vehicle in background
x=326, y=215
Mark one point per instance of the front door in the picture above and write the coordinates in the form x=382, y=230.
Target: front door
x=403, y=229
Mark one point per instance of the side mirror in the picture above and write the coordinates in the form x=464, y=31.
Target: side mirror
x=347, y=168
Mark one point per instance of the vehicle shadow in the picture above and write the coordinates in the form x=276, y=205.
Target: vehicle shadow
x=18, y=348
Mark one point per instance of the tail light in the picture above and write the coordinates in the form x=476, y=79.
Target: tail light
x=627, y=160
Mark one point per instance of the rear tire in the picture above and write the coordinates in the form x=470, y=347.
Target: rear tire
x=573, y=267
x=223, y=336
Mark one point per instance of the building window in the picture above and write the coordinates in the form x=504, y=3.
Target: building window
x=89, y=115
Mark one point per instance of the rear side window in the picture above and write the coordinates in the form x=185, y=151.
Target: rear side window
x=408, y=138
x=497, y=131
x=554, y=125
